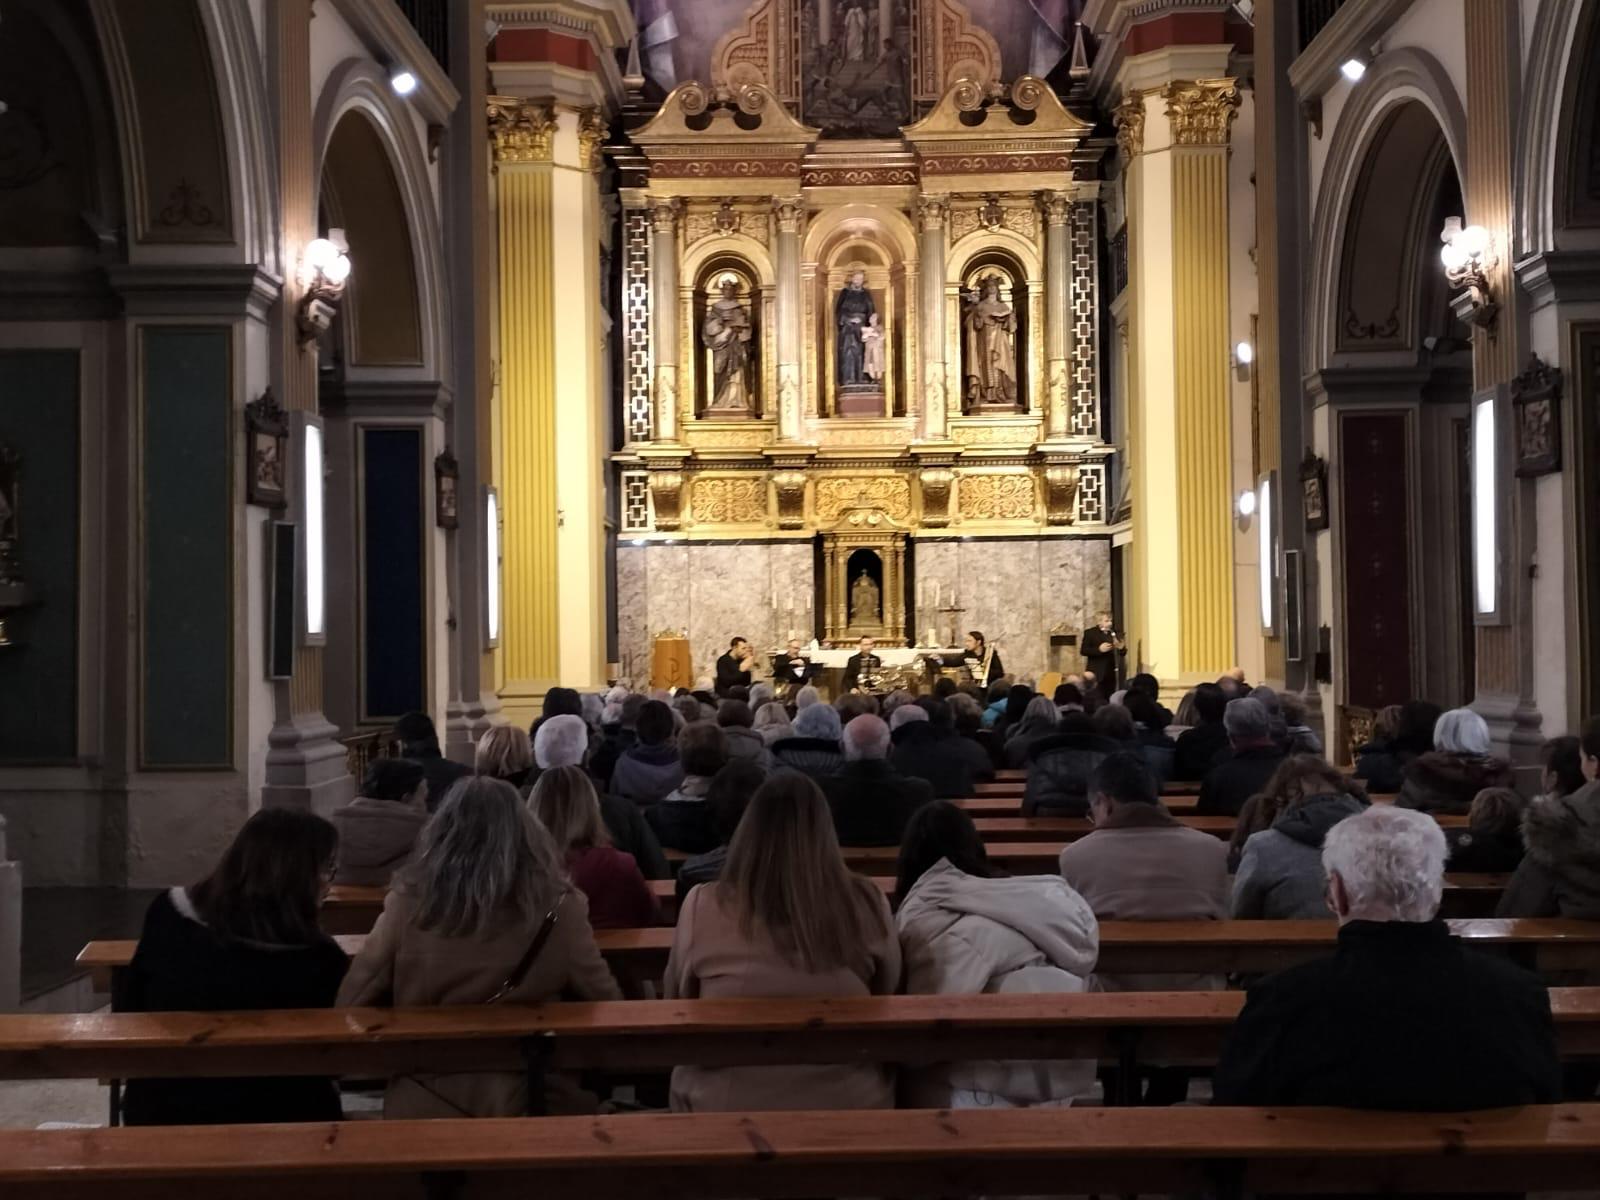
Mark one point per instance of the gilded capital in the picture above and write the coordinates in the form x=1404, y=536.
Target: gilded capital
x=1202, y=112
x=665, y=214
x=593, y=129
x=932, y=212
x=521, y=130
x=789, y=212
x=1129, y=119
x=1056, y=207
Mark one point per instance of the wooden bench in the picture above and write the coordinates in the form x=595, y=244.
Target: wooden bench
x=1126, y=947
x=912, y=1152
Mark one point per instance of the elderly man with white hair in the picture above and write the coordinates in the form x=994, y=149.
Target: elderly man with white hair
x=1447, y=779
x=871, y=801
x=1403, y=1016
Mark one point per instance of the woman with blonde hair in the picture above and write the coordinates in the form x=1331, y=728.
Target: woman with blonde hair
x=484, y=913
x=567, y=806
x=505, y=752
x=786, y=919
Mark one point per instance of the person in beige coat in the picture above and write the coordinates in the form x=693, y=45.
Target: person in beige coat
x=455, y=928
x=786, y=919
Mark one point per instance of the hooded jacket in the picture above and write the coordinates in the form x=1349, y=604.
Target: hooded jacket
x=1560, y=874
x=816, y=757
x=1445, y=782
x=747, y=744
x=646, y=774
x=376, y=838
x=1058, y=773
x=1280, y=874
x=963, y=935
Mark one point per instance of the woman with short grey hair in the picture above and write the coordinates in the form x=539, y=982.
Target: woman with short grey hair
x=483, y=913
x=1458, y=768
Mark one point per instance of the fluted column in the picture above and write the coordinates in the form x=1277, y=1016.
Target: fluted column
x=788, y=215
x=664, y=315
x=932, y=214
x=1057, y=210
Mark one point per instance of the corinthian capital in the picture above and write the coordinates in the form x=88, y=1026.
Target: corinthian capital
x=789, y=212
x=664, y=215
x=592, y=130
x=1056, y=207
x=1129, y=119
x=933, y=211
x=1202, y=112
x=521, y=130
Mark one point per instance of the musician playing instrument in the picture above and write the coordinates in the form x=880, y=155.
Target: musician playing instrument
x=862, y=669
x=734, y=667
x=791, y=670
x=982, y=661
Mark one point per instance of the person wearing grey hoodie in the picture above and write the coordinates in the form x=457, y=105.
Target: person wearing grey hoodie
x=1280, y=875
x=965, y=930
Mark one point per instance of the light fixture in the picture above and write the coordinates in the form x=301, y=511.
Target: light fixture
x=1269, y=557
x=1244, y=354
x=403, y=82
x=1468, y=256
x=316, y=534
x=1485, y=509
x=491, y=552
x=324, y=271
x=1353, y=69
x=1245, y=505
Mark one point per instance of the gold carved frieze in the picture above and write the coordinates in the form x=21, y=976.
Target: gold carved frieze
x=883, y=176
x=724, y=220
x=1129, y=120
x=838, y=493
x=1031, y=162
x=521, y=131
x=997, y=497
x=1013, y=434
x=729, y=500
x=751, y=436
x=666, y=496
x=1202, y=112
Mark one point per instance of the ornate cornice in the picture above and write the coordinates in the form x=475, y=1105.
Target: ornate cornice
x=521, y=130
x=1202, y=111
x=1129, y=120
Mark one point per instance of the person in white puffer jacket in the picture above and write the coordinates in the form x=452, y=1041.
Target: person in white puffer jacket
x=965, y=929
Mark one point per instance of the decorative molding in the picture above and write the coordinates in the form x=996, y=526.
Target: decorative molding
x=838, y=493
x=1202, y=112
x=953, y=49
x=1061, y=493
x=635, y=502
x=666, y=494
x=997, y=497
x=937, y=483
x=790, y=488
x=521, y=131
x=636, y=321
x=970, y=112
x=1129, y=120
x=593, y=129
x=665, y=214
x=857, y=176
x=723, y=500
x=996, y=164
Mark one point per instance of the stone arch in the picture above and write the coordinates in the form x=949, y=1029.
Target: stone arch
x=733, y=245
x=405, y=225
x=243, y=100
x=1395, y=78
x=1550, y=99
x=861, y=219
x=1007, y=241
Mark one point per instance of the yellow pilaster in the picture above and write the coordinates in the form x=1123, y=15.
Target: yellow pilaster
x=1176, y=144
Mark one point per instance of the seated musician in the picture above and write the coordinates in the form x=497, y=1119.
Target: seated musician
x=791, y=669
x=981, y=660
x=862, y=669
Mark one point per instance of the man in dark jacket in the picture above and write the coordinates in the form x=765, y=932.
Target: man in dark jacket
x=1060, y=767
x=1199, y=746
x=1254, y=757
x=1560, y=874
x=934, y=751
x=419, y=741
x=649, y=771
x=871, y=801
x=733, y=668
x=1403, y=1016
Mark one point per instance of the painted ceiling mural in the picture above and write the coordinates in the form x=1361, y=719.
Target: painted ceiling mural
x=853, y=57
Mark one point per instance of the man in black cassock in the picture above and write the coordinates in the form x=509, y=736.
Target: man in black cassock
x=1102, y=647
x=852, y=313
x=862, y=662
x=733, y=668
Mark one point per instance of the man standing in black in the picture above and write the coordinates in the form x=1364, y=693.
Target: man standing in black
x=862, y=667
x=1101, y=647
x=733, y=668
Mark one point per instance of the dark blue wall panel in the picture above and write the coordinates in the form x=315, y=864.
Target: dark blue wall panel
x=392, y=606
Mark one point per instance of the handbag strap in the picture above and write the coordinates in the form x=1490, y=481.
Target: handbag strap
x=530, y=955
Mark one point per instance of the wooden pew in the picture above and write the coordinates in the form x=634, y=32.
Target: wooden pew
x=719, y=1156
x=1004, y=804
x=1126, y=947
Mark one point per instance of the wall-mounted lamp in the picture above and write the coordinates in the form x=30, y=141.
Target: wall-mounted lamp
x=491, y=553
x=403, y=82
x=1244, y=508
x=1353, y=68
x=314, y=605
x=1268, y=535
x=1468, y=257
x=1244, y=354
x=324, y=271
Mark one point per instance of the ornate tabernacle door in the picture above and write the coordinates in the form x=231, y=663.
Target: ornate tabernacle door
x=864, y=559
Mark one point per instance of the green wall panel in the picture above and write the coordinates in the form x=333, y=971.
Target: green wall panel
x=187, y=521
x=39, y=671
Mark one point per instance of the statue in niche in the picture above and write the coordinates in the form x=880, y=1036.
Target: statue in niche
x=855, y=33
x=726, y=333
x=990, y=325
x=866, y=607
x=872, y=352
x=852, y=313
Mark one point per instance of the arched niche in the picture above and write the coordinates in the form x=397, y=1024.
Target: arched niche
x=995, y=311
x=703, y=265
x=878, y=246
x=1560, y=112
x=727, y=307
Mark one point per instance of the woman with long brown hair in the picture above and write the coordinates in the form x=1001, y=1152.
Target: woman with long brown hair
x=786, y=919
x=1279, y=876
x=565, y=802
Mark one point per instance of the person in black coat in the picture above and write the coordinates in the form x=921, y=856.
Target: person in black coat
x=245, y=937
x=1253, y=758
x=861, y=667
x=923, y=750
x=1102, y=648
x=982, y=663
x=870, y=800
x=1199, y=747
x=419, y=741
x=733, y=668
x=1403, y=1016
x=1060, y=766
x=1401, y=735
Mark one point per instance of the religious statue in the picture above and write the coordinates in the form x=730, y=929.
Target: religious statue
x=865, y=608
x=851, y=313
x=726, y=333
x=855, y=33
x=872, y=349
x=990, y=325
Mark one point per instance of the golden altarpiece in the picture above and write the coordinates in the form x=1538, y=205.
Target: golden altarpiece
x=858, y=349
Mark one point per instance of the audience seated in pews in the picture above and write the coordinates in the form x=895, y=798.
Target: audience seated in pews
x=1401, y=734
x=1460, y=766
x=1067, y=698
x=484, y=914
x=1150, y=721
x=1492, y=842
x=871, y=801
x=1018, y=697
x=1560, y=874
x=244, y=937
x=1061, y=766
x=1115, y=723
x=967, y=713
x=506, y=752
x=379, y=828
x=814, y=748
x=565, y=802
x=558, y=702
x=681, y=820
x=965, y=929
x=417, y=739
x=1403, y=1016
x=785, y=920
x=1252, y=757
x=1299, y=738
x=735, y=720
x=616, y=739
x=1185, y=718
x=726, y=802
x=689, y=710
x=1038, y=722
x=1280, y=868
x=562, y=742
x=806, y=697
x=772, y=723
x=648, y=771
x=1297, y=777
x=932, y=750
x=1199, y=746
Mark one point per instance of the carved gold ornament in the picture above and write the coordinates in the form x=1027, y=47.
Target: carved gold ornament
x=521, y=130
x=729, y=501
x=1202, y=112
x=592, y=130
x=890, y=493
x=936, y=486
x=1129, y=119
x=790, y=487
x=1061, y=493
x=997, y=497
x=666, y=493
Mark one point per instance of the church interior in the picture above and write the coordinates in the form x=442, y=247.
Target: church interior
x=392, y=381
